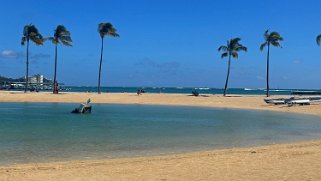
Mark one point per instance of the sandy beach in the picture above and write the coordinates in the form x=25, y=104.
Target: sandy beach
x=295, y=161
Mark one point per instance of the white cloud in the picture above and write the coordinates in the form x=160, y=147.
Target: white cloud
x=297, y=61
x=259, y=77
x=10, y=54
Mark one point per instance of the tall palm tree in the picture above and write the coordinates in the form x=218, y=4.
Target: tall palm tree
x=104, y=29
x=30, y=32
x=231, y=50
x=319, y=39
x=61, y=36
x=272, y=38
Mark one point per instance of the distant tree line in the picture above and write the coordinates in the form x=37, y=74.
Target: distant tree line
x=4, y=80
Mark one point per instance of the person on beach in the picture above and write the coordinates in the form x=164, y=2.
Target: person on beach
x=139, y=92
x=56, y=88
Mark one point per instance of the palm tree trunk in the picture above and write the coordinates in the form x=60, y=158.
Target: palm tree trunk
x=228, y=74
x=101, y=60
x=267, y=72
x=55, y=86
x=27, y=67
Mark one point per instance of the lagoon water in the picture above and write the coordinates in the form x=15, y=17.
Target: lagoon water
x=46, y=132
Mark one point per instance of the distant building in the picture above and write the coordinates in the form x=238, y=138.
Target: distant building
x=36, y=79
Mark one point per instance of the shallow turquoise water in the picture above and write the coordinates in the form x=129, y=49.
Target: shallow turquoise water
x=44, y=132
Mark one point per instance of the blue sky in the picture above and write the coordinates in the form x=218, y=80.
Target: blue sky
x=169, y=43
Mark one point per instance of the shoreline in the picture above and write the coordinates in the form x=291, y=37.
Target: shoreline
x=293, y=161
x=252, y=102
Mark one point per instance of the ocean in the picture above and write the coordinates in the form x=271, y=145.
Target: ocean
x=182, y=90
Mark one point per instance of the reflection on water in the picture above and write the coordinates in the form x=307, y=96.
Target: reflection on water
x=42, y=132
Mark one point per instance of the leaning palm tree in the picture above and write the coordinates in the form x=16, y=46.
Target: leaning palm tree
x=319, y=39
x=272, y=38
x=30, y=32
x=61, y=36
x=231, y=50
x=104, y=29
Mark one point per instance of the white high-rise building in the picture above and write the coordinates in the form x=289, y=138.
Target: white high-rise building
x=36, y=79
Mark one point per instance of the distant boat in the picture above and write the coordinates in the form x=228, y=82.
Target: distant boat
x=277, y=90
x=306, y=93
x=247, y=89
x=203, y=88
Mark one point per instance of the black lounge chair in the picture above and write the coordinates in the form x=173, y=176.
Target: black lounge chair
x=195, y=93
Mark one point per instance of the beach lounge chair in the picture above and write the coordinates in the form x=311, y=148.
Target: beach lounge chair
x=195, y=93
x=275, y=101
x=290, y=101
x=315, y=99
x=83, y=108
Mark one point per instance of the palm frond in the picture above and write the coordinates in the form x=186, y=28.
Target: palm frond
x=266, y=35
x=236, y=46
x=66, y=40
x=107, y=29
x=235, y=41
x=61, y=30
x=263, y=45
x=30, y=32
x=100, y=27
x=66, y=43
x=235, y=55
x=37, y=40
x=241, y=48
x=276, y=44
x=272, y=38
x=276, y=36
x=232, y=48
x=224, y=55
x=318, y=39
x=113, y=34
x=222, y=48
x=23, y=40
x=26, y=30
x=62, y=35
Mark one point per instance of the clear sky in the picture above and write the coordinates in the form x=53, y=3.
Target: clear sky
x=166, y=42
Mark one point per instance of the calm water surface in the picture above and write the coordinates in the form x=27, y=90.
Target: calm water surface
x=44, y=132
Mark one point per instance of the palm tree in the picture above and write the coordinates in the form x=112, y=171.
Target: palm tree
x=272, y=38
x=30, y=32
x=104, y=29
x=231, y=50
x=319, y=39
x=61, y=36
